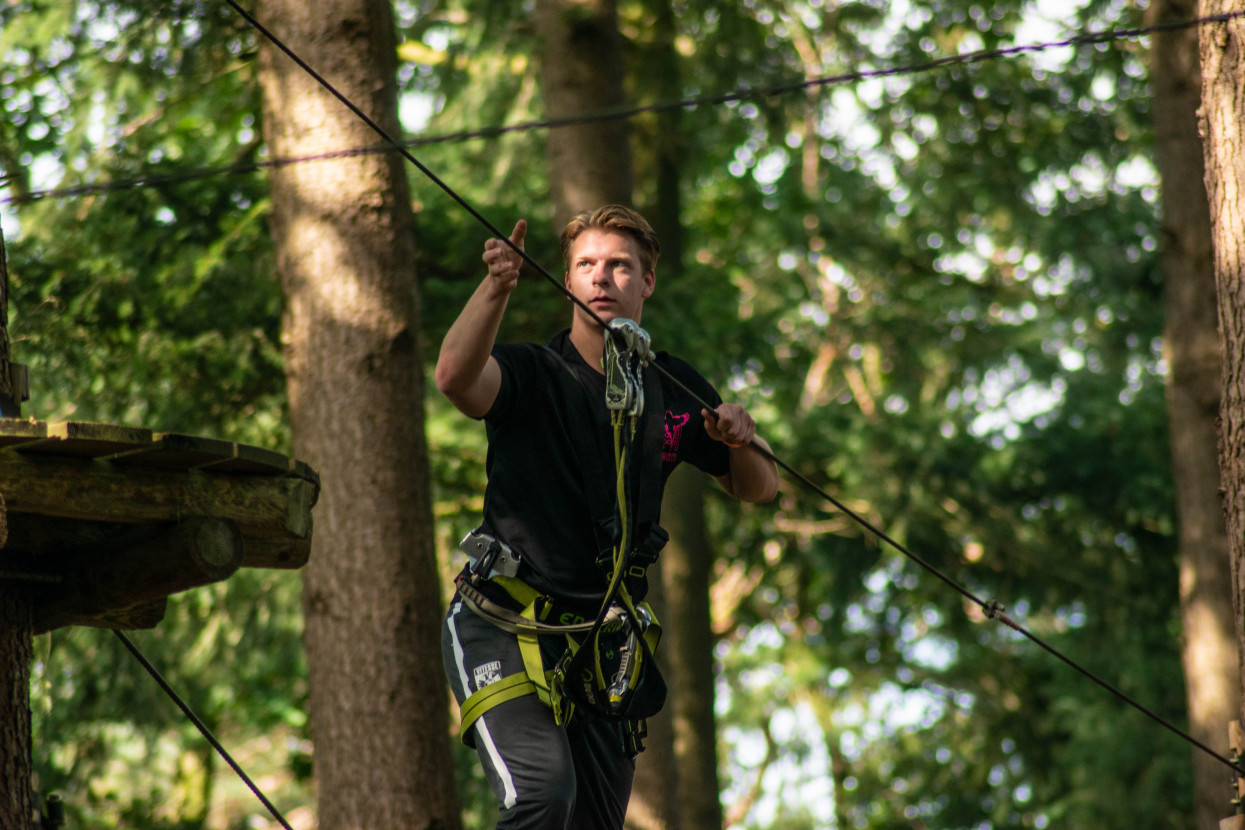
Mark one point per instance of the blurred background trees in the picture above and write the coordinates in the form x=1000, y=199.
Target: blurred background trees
x=940, y=291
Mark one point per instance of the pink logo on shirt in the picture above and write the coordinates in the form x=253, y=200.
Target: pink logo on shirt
x=673, y=435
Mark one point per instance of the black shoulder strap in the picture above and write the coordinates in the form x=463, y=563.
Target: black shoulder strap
x=650, y=538
x=597, y=476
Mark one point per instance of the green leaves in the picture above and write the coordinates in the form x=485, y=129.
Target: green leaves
x=937, y=292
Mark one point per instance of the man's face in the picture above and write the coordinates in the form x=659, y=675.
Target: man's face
x=605, y=274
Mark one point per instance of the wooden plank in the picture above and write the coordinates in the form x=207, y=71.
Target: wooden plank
x=171, y=449
x=304, y=471
x=91, y=440
x=247, y=459
x=162, y=560
x=277, y=507
x=15, y=432
x=137, y=446
x=144, y=615
x=33, y=539
x=32, y=534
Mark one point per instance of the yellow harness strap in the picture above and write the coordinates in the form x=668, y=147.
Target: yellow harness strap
x=533, y=680
x=508, y=688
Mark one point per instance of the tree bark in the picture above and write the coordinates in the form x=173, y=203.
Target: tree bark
x=7, y=386
x=16, y=800
x=1211, y=667
x=687, y=562
x=344, y=237
x=1222, y=121
x=582, y=71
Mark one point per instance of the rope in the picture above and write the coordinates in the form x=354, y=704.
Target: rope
x=157, y=179
x=992, y=609
x=202, y=727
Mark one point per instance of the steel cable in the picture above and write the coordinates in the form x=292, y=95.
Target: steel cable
x=202, y=727
x=991, y=609
x=736, y=96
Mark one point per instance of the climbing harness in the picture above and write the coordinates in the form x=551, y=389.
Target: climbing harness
x=607, y=665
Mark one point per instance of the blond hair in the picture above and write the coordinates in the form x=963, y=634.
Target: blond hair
x=618, y=219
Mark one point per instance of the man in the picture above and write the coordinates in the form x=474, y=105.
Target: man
x=547, y=421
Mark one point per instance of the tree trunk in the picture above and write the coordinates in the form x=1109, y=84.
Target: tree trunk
x=687, y=564
x=344, y=237
x=582, y=71
x=16, y=801
x=1209, y=649
x=7, y=387
x=1222, y=118
x=653, y=805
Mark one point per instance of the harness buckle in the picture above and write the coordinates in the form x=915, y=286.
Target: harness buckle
x=489, y=556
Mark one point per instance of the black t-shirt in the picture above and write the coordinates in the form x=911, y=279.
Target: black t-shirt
x=536, y=500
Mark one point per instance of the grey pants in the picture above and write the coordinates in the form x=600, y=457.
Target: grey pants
x=544, y=776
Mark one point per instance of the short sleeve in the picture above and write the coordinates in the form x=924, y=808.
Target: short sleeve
x=518, y=362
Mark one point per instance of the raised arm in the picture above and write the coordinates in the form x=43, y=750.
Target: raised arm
x=753, y=476
x=466, y=372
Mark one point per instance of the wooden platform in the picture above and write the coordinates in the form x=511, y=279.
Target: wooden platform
x=104, y=522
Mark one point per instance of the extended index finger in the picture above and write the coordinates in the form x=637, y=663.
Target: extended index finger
x=519, y=233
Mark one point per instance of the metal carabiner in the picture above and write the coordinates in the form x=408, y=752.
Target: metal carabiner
x=624, y=383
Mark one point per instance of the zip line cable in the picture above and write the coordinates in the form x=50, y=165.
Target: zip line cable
x=201, y=726
x=433, y=177
x=992, y=609
x=980, y=56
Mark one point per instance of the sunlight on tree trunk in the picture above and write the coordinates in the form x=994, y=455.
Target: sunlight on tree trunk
x=1192, y=343
x=345, y=243
x=1222, y=116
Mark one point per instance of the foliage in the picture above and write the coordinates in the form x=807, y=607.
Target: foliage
x=152, y=304
x=956, y=309
x=936, y=290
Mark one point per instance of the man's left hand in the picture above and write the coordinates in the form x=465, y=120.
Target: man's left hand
x=731, y=424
